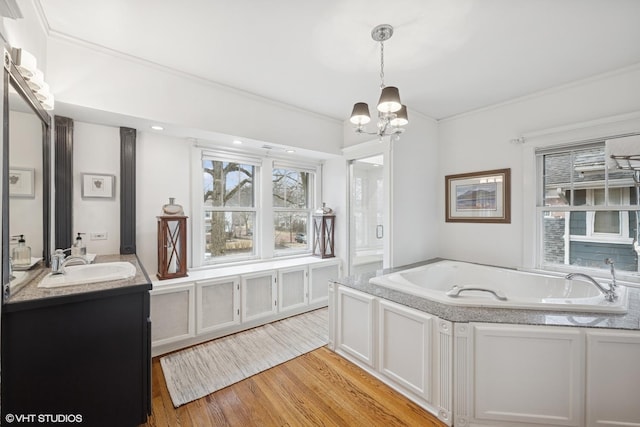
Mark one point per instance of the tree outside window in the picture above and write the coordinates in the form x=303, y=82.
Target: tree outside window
x=229, y=209
x=291, y=205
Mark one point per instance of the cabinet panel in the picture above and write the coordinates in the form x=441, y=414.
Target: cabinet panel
x=292, y=288
x=529, y=374
x=405, y=347
x=218, y=304
x=319, y=277
x=259, y=296
x=172, y=313
x=613, y=378
x=356, y=329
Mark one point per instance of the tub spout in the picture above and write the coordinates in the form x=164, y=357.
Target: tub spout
x=609, y=261
x=609, y=294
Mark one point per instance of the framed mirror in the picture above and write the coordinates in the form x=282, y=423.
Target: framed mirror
x=26, y=157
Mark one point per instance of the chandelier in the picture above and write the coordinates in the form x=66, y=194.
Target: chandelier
x=392, y=115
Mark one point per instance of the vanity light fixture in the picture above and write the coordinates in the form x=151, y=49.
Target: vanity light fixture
x=392, y=114
x=26, y=64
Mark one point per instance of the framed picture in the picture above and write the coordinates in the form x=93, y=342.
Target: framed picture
x=98, y=186
x=22, y=182
x=479, y=196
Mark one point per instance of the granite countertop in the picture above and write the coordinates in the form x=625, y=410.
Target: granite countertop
x=630, y=320
x=30, y=292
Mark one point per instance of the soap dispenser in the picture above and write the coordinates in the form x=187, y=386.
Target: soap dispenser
x=21, y=254
x=78, y=248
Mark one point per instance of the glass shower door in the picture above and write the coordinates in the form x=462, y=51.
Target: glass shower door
x=367, y=218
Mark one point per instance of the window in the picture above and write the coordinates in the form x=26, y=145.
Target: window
x=291, y=202
x=587, y=209
x=251, y=208
x=229, y=213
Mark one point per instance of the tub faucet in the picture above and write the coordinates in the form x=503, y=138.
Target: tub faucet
x=609, y=294
x=59, y=260
x=613, y=272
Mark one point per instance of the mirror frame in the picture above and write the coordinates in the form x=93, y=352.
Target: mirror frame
x=12, y=76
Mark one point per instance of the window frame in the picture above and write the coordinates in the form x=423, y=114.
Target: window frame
x=308, y=211
x=540, y=210
x=263, y=232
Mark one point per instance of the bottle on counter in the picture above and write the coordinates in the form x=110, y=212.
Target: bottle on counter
x=78, y=248
x=21, y=254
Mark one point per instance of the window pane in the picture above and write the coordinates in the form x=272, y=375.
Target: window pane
x=607, y=222
x=228, y=234
x=228, y=184
x=557, y=179
x=291, y=230
x=579, y=249
x=290, y=189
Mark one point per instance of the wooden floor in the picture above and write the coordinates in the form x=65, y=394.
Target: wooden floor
x=317, y=389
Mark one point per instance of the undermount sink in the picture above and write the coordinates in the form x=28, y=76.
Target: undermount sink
x=90, y=273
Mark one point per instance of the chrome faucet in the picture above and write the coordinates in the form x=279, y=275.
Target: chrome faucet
x=59, y=260
x=613, y=273
x=609, y=294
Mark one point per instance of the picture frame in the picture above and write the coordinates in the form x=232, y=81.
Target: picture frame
x=22, y=182
x=479, y=197
x=96, y=185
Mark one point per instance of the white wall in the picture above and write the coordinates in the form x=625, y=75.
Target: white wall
x=414, y=216
x=96, y=150
x=334, y=189
x=479, y=141
x=88, y=77
x=162, y=170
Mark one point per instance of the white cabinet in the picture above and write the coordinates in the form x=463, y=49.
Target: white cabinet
x=259, y=295
x=172, y=313
x=292, y=288
x=319, y=276
x=528, y=374
x=613, y=378
x=211, y=304
x=355, y=325
x=405, y=347
x=218, y=304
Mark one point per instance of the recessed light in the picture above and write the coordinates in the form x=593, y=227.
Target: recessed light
x=237, y=142
x=290, y=151
x=156, y=127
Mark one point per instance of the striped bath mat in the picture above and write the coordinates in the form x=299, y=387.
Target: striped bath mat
x=200, y=370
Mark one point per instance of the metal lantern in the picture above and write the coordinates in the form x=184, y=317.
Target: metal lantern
x=323, y=232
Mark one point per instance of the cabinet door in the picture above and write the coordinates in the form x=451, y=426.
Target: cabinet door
x=319, y=276
x=259, y=296
x=356, y=328
x=292, y=288
x=218, y=304
x=613, y=378
x=172, y=313
x=531, y=374
x=406, y=346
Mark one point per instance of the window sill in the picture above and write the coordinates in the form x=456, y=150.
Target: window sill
x=215, y=272
x=616, y=240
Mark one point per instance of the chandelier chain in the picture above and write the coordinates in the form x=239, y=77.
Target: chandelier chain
x=381, y=65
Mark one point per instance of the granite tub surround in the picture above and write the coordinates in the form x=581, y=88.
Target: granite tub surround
x=629, y=320
x=31, y=292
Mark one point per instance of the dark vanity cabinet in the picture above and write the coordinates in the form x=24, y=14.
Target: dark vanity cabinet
x=85, y=355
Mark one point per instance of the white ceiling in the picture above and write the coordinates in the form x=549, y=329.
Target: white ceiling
x=446, y=56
